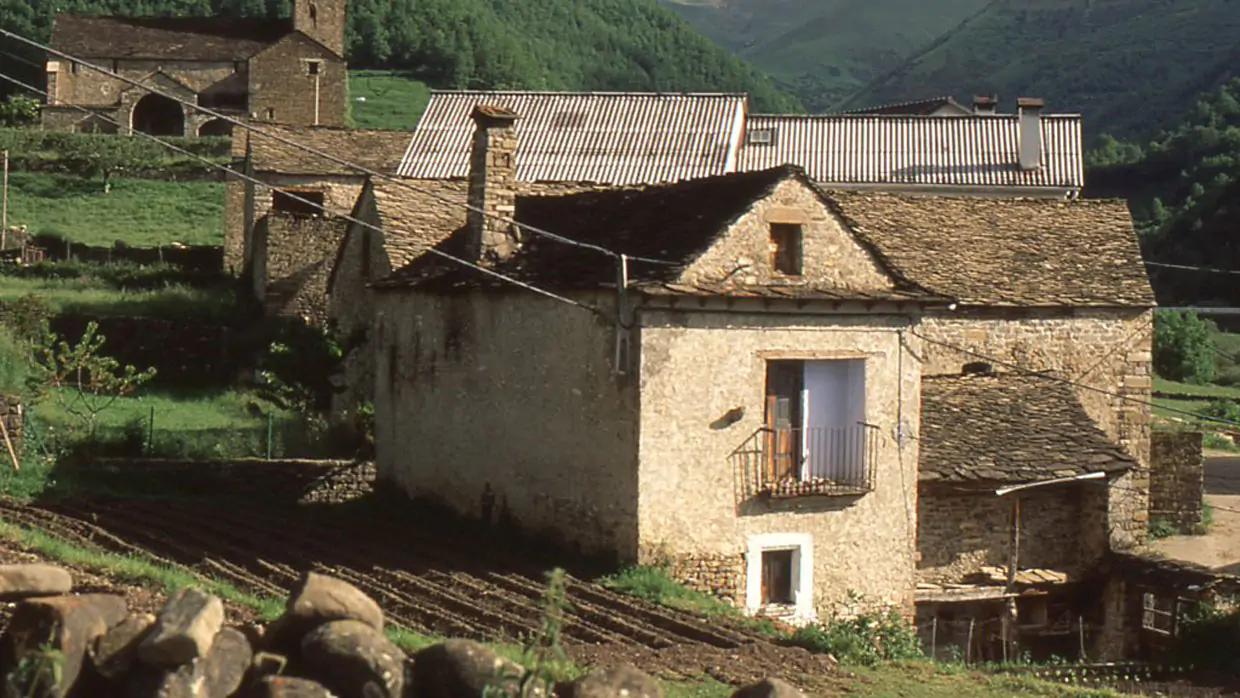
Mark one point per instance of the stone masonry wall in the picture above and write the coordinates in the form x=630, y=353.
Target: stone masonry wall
x=959, y=533
x=1108, y=351
x=12, y=413
x=282, y=88
x=1176, y=478
x=294, y=257
x=722, y=576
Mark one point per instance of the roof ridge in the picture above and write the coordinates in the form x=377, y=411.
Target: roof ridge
x=589, y=93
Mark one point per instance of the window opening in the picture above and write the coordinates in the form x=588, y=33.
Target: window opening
x=314, y=67
x=815, y=422
x=283, y=202
x=777, y=566
x=786, y=248
x=760, y=136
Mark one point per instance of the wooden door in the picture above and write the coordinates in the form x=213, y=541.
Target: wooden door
x=784, y=382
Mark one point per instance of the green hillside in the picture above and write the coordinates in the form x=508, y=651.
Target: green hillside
x=550, y=44
x=1129, y=66
x=825, y=50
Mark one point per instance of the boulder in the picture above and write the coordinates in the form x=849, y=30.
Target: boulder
x=623, y=681
x=25, y=581
x=286, y=687
x=218, y=674
x=184, y=629
x=354, y=660
x=463, y=667
x=69, y=624
x=114, y=652
x=319, y=599
x=769, y=688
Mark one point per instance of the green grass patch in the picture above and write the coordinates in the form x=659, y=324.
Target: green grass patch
x=174, y=411
x=139, y=212
x=1163, y=385
x=925, y=679
x=135, y=568
x=654, y=585
x=89, y=296
x=388, y=99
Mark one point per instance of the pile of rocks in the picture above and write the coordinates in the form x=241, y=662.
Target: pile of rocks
x=328, y=642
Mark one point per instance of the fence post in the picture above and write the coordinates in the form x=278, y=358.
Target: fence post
x=271, y=418
x=150, y=433
x=1080, y=627
x=934, y=638
x=968, y=648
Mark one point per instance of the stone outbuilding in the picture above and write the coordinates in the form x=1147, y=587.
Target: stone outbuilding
x=278, y=70
x=747, y=409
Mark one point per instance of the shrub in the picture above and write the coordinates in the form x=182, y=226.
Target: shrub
x=1224, y=409
x=19, y=110
x=1183, y=346
x=864, y=639
x=1159, y=528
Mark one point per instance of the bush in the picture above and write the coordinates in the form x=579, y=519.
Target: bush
x=864, y=639
x=14, y=363
x=19, y=110
x=1223, y=409
x=1183, y=346
x=1159, y=528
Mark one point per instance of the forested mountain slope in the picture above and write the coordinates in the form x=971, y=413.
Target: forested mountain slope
x=1184, y=190
x=548, y=44
x=825, y=50
x=1129, y=66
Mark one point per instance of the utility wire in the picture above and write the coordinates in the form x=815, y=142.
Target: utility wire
x=321, y=207
x=1069, y=381
x=1147, y=327
x=339, y=161
x=1192, y=268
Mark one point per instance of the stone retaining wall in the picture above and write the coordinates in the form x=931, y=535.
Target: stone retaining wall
x=1176, y=478
x=305, y=480
x=722, y=576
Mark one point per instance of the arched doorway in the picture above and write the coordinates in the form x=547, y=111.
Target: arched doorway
x=216, y=127
x=158, y=115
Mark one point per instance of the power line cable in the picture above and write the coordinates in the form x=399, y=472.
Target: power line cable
x=339, y=161
x=1147, y=327
x=321, y=207
x=1192, y=268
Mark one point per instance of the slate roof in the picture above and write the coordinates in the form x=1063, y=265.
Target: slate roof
x=675, y=223
x=604, y=137
x=1006, y=252
x=874, y=150
x=181, y=38
x=375, y=149
x=1009, y=428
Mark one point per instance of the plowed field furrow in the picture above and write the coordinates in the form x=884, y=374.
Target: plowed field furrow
x=211, y=536
x=442, y=596
x=588, y=621
x=439, y=582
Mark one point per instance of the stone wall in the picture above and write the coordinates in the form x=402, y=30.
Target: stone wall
x=722, y=576
x=1106, y=350
x=282, y=88
x=87, y=87
x=697, y=367
x=959, y=533
x=505, y=407
x=303, y=480
x=184, y=351
x=1176, y=478
x=292, y=263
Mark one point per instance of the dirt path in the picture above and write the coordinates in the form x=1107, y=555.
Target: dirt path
x=1219, y=549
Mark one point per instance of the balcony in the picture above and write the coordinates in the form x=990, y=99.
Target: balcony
x=781, y=463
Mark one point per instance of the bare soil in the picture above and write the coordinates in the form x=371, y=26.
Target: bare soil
x=432, y=579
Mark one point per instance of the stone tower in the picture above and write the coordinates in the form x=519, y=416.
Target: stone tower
x=321, y=20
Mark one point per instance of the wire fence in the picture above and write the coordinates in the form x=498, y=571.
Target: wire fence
x=275, y=435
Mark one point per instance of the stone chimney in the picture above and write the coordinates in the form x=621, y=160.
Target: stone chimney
x=492, y=177
x=1030, y=134
x=985, y=104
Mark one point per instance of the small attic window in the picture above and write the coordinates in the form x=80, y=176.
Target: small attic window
x=760, y=136
x=786, y=248
x=314, y=67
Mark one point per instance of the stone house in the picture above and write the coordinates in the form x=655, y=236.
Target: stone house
x=287, y=70
x=285, y=170
x=749, y=410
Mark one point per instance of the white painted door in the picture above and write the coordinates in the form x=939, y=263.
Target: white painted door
x=833, y=406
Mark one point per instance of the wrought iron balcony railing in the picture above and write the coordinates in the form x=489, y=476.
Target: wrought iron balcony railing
x=782, y=462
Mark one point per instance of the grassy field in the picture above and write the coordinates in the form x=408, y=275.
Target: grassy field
x=88, y=297
x=141, y=212
x=386, y=99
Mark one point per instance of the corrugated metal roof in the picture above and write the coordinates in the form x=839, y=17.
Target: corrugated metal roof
x=608, y=138
x=966, y=151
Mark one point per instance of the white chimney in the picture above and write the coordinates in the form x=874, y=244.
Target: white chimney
x=1030, y=133
x=985, y=104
